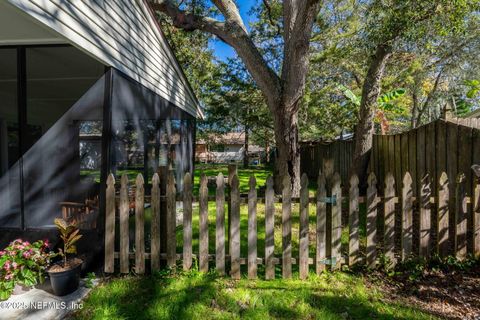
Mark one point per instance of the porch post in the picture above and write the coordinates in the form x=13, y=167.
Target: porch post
x=106, y=152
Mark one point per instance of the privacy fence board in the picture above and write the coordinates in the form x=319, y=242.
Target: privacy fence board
x=313, y=156
x=450, y=146
x=326, y=205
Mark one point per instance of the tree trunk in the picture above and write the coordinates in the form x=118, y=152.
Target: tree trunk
x=267, y=150
x=365, y=129
x=287, y=161
x=282, y=93
x=245, y=149
x=415, y=110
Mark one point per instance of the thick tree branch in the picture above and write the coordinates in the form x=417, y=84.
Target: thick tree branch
x=233, y=33
x=188, y=21
x=230, y=11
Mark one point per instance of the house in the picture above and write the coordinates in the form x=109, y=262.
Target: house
x=226, y=148
x=86, y=88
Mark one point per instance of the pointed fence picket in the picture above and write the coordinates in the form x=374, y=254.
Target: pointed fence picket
x=353, y=222
x=187, y=221
x=372, y=202
x=433, y=236
x=269, y=230
x=220, y=226
x=286, y=229
x=139, y=226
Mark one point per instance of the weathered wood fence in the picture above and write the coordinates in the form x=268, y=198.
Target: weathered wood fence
x=395, y=212
x=316, y=156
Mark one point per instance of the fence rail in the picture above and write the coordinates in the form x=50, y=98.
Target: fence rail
x=392, y=223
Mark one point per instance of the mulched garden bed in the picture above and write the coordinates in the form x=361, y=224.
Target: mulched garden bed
x=447, y=294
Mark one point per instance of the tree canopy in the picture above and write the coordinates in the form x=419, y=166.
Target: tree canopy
x=361, y=67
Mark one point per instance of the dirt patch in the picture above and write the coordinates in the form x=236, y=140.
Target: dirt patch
x=450, y=295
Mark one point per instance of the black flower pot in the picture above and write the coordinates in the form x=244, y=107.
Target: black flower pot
x=65, y=282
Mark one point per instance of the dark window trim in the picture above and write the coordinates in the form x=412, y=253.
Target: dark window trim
x=22, y=121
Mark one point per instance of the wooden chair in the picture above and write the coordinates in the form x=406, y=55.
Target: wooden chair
x=84, y=215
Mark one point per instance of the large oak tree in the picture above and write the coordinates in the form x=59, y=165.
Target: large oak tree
x=283, y=91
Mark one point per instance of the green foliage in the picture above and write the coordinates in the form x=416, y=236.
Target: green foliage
x=385, y=99
x=356, y=100
x=23, y=263
x=90, y=281
x=416, y=268
x=427, y=39
x=473, y=88
x=69, y=233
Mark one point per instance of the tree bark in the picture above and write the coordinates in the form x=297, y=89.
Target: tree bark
x=288, y=151
x=415, y=110
x=282, y=93
x=245, y=149
x=365, y=128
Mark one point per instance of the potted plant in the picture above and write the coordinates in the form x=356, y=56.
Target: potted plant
x=65, y=276
x=23, y=264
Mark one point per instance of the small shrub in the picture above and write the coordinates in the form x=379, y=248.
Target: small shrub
x=69, y=234
x=23, y=263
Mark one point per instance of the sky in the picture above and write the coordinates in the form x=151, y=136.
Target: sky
x=224, y=51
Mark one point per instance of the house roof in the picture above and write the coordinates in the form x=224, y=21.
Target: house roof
x=229, y=138
x=122, y=34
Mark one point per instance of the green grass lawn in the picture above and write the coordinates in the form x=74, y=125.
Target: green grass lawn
x=194, y=295
x=212, y=170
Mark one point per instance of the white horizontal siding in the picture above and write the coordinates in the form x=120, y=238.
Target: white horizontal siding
x=121, y=34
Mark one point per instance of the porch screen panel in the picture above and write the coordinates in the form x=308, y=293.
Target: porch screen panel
x=148, y=132
x=64, y=125
x=10, y=210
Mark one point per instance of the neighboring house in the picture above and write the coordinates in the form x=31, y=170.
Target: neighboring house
x=226, y=148
x=84, y=85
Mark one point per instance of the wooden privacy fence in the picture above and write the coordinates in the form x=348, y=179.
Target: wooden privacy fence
x=314, y=155
x=395, y=211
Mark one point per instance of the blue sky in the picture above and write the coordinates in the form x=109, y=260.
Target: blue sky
x=224, y=51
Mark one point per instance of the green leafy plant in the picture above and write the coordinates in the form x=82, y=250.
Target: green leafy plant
x=69, y=233
x=23, y=263
x=385, y=103
x=473, y=88
x=89, y=282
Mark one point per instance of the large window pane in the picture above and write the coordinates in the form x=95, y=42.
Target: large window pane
x=64, y=115
x=9, y=141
